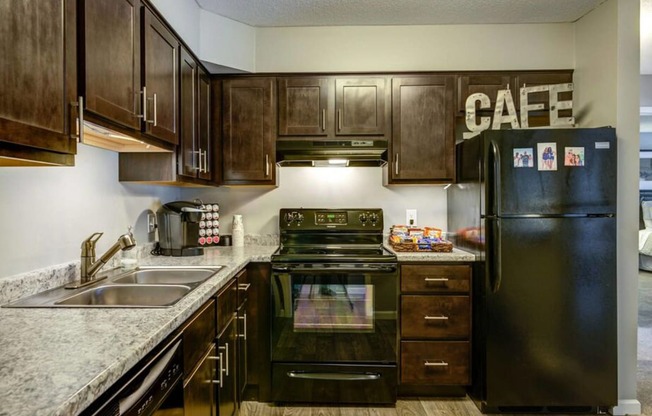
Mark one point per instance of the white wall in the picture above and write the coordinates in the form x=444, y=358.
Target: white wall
x=226, y=42
x=183, y=15
x=415, y=48
x=324, y=188
x=607, y=93
x=47, y=211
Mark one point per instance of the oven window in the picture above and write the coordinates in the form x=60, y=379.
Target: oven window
x=335, y=306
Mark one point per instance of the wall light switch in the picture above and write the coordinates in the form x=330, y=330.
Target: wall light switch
x=411, y=216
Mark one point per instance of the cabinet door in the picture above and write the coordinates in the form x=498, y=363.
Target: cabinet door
x=161, y=60
x=531, y=79
x=189, y=152
x=483, y=83
x=226, y=396
x=242, y=350
x=199, y=390
x=249, y=126
x=204, y=125
x=360, y=106
x=112, y=60
x=303, y=106
x=423, y=143
x=38, y=78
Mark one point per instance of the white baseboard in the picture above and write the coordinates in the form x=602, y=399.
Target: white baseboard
x=627, y=407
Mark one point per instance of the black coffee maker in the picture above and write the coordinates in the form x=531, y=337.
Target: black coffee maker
x=178, y=228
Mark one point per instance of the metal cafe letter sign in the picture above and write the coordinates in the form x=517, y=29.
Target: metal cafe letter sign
x=504, y=101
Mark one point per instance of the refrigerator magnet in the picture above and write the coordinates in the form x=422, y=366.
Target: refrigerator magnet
x=573, y=156
x=547, y=156
x=523, y=157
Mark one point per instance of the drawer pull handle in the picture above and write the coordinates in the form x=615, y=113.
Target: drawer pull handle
x=439, y=363
x=436, y=279
x=436, y=318
x=244, y=286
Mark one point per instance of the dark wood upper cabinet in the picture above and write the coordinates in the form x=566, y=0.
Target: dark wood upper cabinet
x=111, y=60
x=190, y=155
x=204, y=124
x=360, y=106
x=194, y=150
x=331, y=107
x=160, y=66
x=531, y=79
x=423, y=144
x=488, y=84
x=249, y=126
x=305, y=106
x=38, y=79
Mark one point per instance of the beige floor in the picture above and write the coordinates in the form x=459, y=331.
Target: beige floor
x=440, y=407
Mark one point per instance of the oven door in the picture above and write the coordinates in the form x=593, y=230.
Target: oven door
x=334, y=313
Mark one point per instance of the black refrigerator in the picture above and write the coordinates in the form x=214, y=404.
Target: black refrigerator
x=538, y=208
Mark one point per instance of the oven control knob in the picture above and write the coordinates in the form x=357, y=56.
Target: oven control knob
x=373, y=218
x=289, y=217
x=298, y=217
x=363, y=218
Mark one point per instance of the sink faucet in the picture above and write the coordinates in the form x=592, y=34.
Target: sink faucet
x=90, y=267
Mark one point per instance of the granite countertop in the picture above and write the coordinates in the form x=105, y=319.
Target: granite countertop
x=456, y=255
x=56, y=361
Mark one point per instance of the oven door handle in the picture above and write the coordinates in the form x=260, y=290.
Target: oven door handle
x=315, y=375
x=337, y=268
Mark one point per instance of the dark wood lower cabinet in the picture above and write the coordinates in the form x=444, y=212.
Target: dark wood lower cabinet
x=435, y=362
x=435, y=356
x=226, y=372
x=198, y=390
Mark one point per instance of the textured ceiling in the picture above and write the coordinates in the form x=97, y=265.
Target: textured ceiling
x=269, y=13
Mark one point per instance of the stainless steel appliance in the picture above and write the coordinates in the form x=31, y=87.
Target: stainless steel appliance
x=334, y=320
x=179, y=227
x=151, y=389
x=544, y=228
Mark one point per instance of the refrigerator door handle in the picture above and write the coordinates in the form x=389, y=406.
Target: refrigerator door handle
x=495, y=159
x=497, y=271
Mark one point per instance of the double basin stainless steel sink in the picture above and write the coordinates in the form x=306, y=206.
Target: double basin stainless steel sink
x=143, y=287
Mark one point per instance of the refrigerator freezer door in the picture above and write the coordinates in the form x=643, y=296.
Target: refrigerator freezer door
x=551, y=314
x=517, y=190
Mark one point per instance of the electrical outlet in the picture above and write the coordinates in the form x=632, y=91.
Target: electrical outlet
x=411, y=216
x=151, y=223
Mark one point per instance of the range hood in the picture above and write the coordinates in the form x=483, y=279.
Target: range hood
x=357, y=152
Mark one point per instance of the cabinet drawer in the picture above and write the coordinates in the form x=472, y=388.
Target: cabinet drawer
x=435, y=317
x=198, y=335
x=242, y=280
x=226, y=305
x=442, y=363
x=436, y=279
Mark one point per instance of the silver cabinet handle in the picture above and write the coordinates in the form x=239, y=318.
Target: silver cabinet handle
x=143, y=102
x=155, y=122
x=198, y=153
x=266, y=165
x=436, y=318
x=439, y=363
x=323, y=119
x=244, y=286
x=220, y=370
x=396, y=165
x=339, y=119
x=226, y=352
x=206, y=168
x=80, y=119
x=244, y=324
x=436, y=279
x=212, y=357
